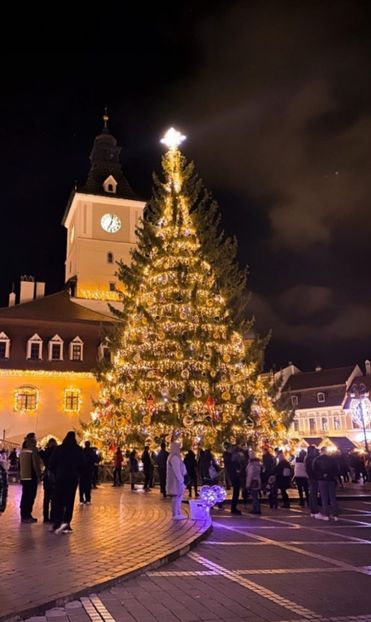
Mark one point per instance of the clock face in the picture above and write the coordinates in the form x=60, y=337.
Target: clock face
x=110, y=223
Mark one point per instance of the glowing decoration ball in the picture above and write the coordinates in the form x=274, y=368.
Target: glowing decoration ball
x=210, y=495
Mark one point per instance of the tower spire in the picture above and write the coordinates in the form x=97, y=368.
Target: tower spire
x=105, y=118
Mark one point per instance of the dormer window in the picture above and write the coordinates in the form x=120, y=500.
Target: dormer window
x=104, y=352
x=4, y=346
x=320, y=398
x=109, y=257
x=110, y=185
x=294, y=400
x=35, y=348
x=55, y=349
x=76, y=349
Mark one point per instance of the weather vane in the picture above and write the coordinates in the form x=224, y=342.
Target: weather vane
x=172, y=139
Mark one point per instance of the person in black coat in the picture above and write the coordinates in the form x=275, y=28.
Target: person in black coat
x=48, y=482
x=86, y=475
x=283, y=478
x=191, y=466
x=147, y=468
x=161, y=460
x=66, y=463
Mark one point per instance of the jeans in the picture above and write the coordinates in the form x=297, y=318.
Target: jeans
x=117, y=476
x=85, y=488
x=235, y=481
x=327, y=491
x=162, y=478
x=302, y=484
x=176, y=503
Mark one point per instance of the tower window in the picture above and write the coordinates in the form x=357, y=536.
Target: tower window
x=112, y=287
x=294, y=400
x=109, y=257
x=110, y=184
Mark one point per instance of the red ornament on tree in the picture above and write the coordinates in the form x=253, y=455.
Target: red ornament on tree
x=210, y=403
x=150, y=403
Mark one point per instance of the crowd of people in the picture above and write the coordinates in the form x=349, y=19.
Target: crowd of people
x=68, y=467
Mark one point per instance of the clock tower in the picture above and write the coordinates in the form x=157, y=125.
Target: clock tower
x=100, y=218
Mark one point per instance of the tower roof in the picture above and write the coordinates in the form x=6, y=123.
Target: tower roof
x=105, y=162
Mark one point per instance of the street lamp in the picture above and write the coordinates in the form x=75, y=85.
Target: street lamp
x=360, y=406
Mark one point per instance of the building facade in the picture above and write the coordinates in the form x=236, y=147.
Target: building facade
x=323, y=407
x=50, y=346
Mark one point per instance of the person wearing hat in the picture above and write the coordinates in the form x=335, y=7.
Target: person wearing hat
x=253, y=481
x=175, y=472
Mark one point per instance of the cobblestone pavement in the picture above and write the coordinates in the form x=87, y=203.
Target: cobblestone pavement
x=119, y=533
x=282, y=566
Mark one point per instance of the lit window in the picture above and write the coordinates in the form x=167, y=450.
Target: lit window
x=337, y=424
x=76, y=349
x=296, y=425
x=26, y=398
x=312, y=425
x=294, y=400
x=324, y=424
x=320, y=398
x=109, y=257
x=56, y=349
x=72, y=400
x=4, y=346
x=34, y=348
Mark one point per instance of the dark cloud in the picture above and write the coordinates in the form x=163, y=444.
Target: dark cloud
x=279, y=112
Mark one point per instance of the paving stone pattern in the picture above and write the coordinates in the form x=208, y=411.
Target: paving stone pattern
x=119, y=533
x=282, y=566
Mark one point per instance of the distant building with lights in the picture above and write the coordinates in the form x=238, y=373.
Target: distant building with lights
x=322, y=405
x=50, y=345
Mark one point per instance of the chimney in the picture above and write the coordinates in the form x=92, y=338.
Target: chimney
x=318, y=368
x=11, y=299
x=368, y=367
x=40, y=290
x=27, y=289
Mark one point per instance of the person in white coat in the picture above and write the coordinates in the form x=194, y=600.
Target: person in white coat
x=175, y=472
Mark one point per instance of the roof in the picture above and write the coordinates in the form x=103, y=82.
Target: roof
x=342, y=442
x=318, y=379
x=333, y=396
x=56, y=307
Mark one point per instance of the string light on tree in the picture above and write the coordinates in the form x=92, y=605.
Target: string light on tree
x=182, y=359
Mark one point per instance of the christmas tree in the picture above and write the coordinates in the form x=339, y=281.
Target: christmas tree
x=183, y=357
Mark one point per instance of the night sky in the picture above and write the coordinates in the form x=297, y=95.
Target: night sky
x=275, y=99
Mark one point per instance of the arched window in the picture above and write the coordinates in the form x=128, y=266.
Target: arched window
x=26, y=398
x=109, y=257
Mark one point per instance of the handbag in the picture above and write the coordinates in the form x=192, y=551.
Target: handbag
x=213, y=473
